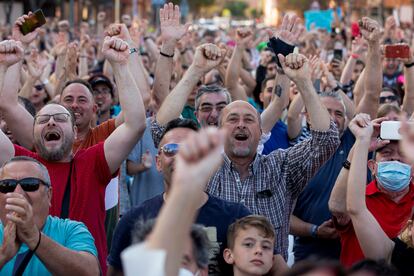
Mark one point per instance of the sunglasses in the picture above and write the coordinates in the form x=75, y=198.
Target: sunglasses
x=39, y=87
x=58, y=117
x=170, y=149
x=388, y=98
x=29, y=184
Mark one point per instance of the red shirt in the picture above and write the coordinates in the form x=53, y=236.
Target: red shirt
x=390, y=215
x=90, y=175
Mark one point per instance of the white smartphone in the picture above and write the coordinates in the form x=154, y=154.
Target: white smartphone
x=390, y=130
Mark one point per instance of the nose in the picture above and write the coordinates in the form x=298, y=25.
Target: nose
x=51, y=121
x=19, y=189
x=258, y=250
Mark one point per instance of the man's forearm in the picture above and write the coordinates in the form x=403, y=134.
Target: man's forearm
x=129, y=97
x=299, y=227
x=163, y=72
x=373, y=82
x=408, y=102
x=318, y=115
x=232, y=75
x=63, y=261
x=347, y=72
x=174, y=103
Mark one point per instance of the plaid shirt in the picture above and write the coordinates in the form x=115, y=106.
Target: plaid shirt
x=274, y=180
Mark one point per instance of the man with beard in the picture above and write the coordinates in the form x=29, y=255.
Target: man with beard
x=79, y=178
x=214, y=213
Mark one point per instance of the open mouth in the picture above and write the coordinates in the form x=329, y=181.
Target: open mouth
x=241, y=137
x=52, y=136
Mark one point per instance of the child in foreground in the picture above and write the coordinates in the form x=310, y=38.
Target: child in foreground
x=250, y=242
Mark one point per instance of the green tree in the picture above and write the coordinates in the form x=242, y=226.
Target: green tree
x=237, y=8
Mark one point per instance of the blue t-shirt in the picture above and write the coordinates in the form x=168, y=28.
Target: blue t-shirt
x=216, y=215
x=278, y=140
x=67, y=233
x=312, y=204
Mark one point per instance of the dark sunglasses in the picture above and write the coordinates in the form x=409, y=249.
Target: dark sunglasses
x=39, y=87
x=29, y=184
x=170, y=149
x=388, y=98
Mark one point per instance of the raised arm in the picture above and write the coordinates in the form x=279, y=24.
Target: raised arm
x=206, y=58
x=194, y=165
x=408, y=101
x=119, y=144
x=18, y=119
x=171, y=32
x=280, y=100
x=358, y=48
x=237, y=92
x=296, y=67
x=374, y=242
x=369, y=104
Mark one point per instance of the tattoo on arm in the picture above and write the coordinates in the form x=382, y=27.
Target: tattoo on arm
x=278, y=90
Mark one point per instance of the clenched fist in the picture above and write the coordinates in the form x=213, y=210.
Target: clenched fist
x=115, y=50
x=11, y=52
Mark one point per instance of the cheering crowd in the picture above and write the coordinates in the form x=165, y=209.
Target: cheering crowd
x=126, y=150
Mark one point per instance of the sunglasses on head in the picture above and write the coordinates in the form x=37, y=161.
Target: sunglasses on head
x=39, y=87
x=170, y=149
x=29, y=184
x=388, y=98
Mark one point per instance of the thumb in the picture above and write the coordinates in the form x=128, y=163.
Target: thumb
x=281, y=60
x=187, y=26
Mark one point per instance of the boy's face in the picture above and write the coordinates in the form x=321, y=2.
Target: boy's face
x=252, y=253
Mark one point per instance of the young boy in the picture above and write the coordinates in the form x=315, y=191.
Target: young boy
x=250, y=242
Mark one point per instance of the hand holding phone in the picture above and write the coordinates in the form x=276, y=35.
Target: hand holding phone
x=25, y=26
x=390, y=130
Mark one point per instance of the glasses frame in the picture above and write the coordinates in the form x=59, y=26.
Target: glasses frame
x=169, y=153
x=54, y=118
x=25, y=186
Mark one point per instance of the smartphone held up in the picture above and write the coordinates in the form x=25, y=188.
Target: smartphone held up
x=34, y=21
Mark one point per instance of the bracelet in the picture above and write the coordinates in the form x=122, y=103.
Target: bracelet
x=346, y=164
x=354, y=56
x=133, y=50
x=165, y=55
x=38, y=242
x=314, y=231
x=409, y=65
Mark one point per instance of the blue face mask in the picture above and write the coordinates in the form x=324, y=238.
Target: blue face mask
x=393, y=176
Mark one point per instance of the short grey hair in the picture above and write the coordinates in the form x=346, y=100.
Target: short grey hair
x=211, y=89
x=334, y=95
x=201, y=243
x=43, y=169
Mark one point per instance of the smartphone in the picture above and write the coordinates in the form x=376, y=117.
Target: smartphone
x=390, y=130
x=34, y=21
x=337, y=54
x=397, y=51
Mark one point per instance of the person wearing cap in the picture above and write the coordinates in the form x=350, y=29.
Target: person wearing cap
x=103, y=93
x=389, y=196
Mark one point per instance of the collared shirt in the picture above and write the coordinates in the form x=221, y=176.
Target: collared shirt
x=275, y=180
x=390, y=215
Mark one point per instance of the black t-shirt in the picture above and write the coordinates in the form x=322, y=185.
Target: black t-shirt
x=402, y=258
x=216, y=215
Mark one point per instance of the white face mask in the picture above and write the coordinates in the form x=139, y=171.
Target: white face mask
x=186, y=272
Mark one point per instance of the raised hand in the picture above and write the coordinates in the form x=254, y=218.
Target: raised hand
x=171, y=29
x=115, y=50
x=296, y=67
x=208, y=56
x=11, y=52
x=198, y=159
x=370, y=29
x=71, y=60
x=17, y=34
x=60, y=45
x=119, y=31
x=359, y=46
x=244, y=37
x=362, y=127
x=36, y=64
x=10, y=245
x=290, y=30
x=20, y=212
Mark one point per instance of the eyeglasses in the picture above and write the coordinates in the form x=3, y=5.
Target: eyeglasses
x=388, y=99
x=39, y=87
x=209, y=108
x=29, y=184
x=58, y=117
x=170, y=149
